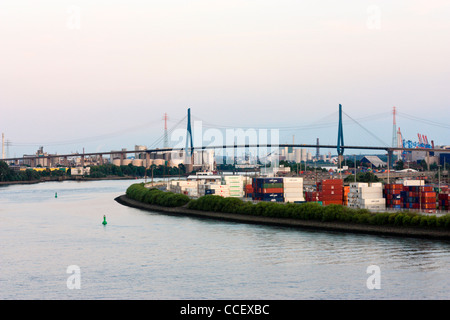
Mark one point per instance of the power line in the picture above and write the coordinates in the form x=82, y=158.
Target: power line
x=426, y=121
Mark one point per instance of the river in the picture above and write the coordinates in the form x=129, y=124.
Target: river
x=57, y=248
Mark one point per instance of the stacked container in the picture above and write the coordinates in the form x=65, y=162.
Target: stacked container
x=313, y=196
x=353, y=194
x=236, y=185
x=419, y=197
x=215, y=189
x=331, y=191
x=249, y=190
x=293, y=190
x=346, y=191
x=392, y=193
x=444, y=198
x=189, y=188
x=366, y=196
x=268, y=189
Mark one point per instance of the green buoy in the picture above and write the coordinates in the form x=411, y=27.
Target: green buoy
x=104, y=221
x=56, y=195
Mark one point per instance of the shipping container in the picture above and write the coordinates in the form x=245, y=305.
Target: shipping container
x=328, y=202
x=271, y=190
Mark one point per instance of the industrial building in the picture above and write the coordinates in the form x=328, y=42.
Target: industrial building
x=374, y=161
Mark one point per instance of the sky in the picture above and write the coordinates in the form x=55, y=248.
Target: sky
x=99, y=75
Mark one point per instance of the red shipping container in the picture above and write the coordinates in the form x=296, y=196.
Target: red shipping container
x=327, y=202
x=332, y=192
x=333, y=181
x=331, y=187
x=444, y=196
x=394, y=186
x=428, y=194
x=331, y=196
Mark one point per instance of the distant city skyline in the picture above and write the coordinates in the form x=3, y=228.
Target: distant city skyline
x=100, y=75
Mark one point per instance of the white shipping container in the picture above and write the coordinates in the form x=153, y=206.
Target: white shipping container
x=373, y=207
x=413, y=183
x=370, y=189
x=235, y=176
x=293, y=186
x=372, y=201
x=218, y=186
x=293, y=194
x=376, y=185
x=292, y=182
x=288, y=190
x=187, y=183
x=293, y=199
x=358, y=184
x=371, y=194
x=291, y=179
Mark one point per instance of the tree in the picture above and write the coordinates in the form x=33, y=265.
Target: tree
x=5, y=171
x=399, y=165
x=362, y=177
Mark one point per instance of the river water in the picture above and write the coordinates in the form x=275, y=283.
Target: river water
x=146, y=255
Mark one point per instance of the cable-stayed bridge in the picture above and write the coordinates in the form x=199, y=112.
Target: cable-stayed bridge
x=189, y=148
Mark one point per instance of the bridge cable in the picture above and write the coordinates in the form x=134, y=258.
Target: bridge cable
x=373, y=135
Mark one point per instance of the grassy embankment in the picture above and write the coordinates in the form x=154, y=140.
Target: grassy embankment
x=305, y=211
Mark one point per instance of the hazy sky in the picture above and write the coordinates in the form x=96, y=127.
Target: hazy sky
x=100, y=75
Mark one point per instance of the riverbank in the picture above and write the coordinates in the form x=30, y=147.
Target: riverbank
x=60, y=179
x=402, y=231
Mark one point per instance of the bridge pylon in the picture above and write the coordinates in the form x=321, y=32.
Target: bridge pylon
x=189, y=151
x=340, y=141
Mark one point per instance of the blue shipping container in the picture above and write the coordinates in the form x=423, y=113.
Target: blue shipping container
x=269, y=180
x=271, y=195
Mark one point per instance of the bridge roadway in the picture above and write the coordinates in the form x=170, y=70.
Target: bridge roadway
x=122, y=153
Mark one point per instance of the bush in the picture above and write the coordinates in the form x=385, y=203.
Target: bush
x=431, y=221
x=415, y=221
x=140, y=193
x=398, y=220
x=406, y=220
x=423, y=222
x=443, y=221
x=363, y=218
x=381, y=218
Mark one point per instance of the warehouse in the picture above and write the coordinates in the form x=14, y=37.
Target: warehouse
x=374, y=161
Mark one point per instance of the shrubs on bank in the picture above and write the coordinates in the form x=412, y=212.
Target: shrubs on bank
x=304, y=211
x=314, y=211
x=140, y=193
